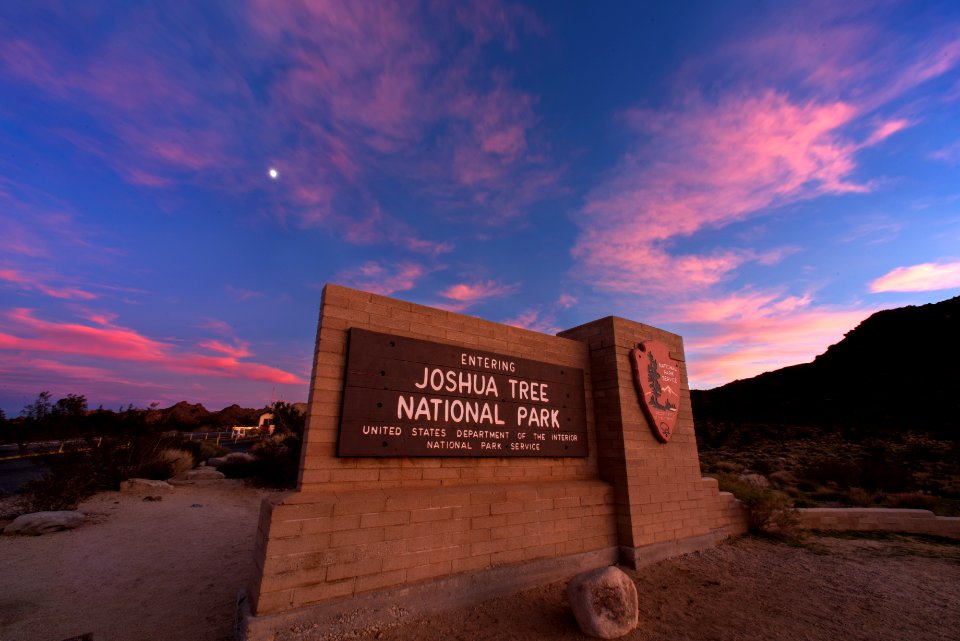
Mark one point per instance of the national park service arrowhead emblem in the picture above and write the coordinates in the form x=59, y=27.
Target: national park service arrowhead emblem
x=657, y=378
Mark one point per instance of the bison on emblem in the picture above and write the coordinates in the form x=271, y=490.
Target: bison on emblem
x=657, y=379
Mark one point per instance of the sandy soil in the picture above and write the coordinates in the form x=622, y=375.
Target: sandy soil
x=136, y=571
x=170, y=571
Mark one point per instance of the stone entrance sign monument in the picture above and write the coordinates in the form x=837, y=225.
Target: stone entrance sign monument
x=448, y=459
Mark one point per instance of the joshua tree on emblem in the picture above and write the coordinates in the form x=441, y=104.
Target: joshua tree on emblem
x=653, y=376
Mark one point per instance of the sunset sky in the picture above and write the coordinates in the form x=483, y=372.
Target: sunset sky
x=178, y=180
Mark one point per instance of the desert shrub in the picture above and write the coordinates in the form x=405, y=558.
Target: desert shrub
x=164, y=464
x=832, y=470
x=729, y=467
x=101, y=464
x=878, y=473
x=769, y=511
x=830, y=496
x=802, y=501
x=861, y=498
x=912, y=501
x=238, y=465
x=278, y=461
x=202, y=450
x=71, y=479
x=782, y=479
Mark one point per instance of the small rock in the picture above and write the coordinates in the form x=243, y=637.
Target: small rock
x=144, y=486
x=604, y=602
x=43, y=522
x=153, y=498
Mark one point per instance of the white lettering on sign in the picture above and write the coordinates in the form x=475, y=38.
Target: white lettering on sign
x=487, y=362
x=382, y=430
x=537, y=417
x=458, y=381
x=447, y=410
x=528, y=391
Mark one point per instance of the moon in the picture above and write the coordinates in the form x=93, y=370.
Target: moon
x=273, y=173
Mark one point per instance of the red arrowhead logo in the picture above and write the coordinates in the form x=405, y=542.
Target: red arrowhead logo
x=657, y=379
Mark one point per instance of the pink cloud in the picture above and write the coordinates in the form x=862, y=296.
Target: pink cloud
x=543, y=318
x=709, y=166
x=28, y=334
x=349, y=90
x=383, y=278
x=475, y=292
x=949, y=154
x=33, y=283
x=736, y=306
x=240, y=350
x=241, y=294
x=78, y=372
x=534, y=320
x=925, y=277
x=219, y=326
x=748, y=333
x=401, y=93
x=749, y=145
x=887, y=129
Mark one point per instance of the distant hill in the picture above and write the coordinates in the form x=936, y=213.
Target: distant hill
x=898, y=369
x=187, y=416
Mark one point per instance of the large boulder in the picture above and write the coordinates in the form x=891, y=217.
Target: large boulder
x=44, y=522
x=145, y=486
x=604, y=601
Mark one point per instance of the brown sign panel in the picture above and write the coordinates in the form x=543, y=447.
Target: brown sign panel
x=408, y=397
x=657, y=379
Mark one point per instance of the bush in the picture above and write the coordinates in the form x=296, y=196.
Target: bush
x=769, y=511
x=102, y=465
x=202, y=450
x=70, y=480
x=782, y=479
x=862, y=498
x=912, y=501
x=278, y=461
x=164, y=464
x=832, y=469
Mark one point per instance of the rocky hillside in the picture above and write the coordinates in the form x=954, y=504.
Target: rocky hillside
x=187, y=416
x=899, y=369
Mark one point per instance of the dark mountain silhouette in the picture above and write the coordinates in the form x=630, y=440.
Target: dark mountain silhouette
x=899, y=369
x=236, y=415
x=185, y=413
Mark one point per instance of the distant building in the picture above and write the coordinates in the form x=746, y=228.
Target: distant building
x=264, y=426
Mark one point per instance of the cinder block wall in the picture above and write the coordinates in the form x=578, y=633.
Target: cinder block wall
x=358, y=524
x=662, y=499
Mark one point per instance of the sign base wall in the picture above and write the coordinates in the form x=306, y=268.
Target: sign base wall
x=359, y=526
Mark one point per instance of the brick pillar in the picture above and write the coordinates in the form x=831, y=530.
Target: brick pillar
x=663, y=506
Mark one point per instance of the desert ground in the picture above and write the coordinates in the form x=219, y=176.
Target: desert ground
x=170, y=570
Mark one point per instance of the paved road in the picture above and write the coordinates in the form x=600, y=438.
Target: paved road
x=15, y=473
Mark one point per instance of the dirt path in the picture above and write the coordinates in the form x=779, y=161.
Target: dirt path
x=898, y=589
x=170, y=571
x=137, y=571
